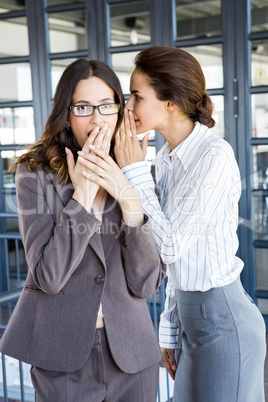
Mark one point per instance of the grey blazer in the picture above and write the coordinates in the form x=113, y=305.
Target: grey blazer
x=75, y=262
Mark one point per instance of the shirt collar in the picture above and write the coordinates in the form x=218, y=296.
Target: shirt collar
x=187, y=149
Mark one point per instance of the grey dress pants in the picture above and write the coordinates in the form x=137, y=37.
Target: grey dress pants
x=223, y=347
x=98, y=380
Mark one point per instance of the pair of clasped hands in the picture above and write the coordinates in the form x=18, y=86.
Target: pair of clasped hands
x=96, y=172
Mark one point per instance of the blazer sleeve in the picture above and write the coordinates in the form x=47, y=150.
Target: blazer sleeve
x=144, y=270
x=54, y=247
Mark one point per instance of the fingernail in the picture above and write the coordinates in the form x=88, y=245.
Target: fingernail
x=92, y=146
x=108, y=132
x=173, y=368
x=81, y=159
x=96, y=129
x=66, y=151
x=125, y=110
x=105, y=126
x=81, y=153
x=130, y=113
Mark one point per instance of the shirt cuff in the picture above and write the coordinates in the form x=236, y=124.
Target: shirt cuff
x=168, y=336
x=138, y=174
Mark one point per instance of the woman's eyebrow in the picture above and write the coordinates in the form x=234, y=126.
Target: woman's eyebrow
x=84, y=102
x=135, y=91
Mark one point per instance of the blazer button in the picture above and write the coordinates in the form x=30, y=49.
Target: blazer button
x=100, y=279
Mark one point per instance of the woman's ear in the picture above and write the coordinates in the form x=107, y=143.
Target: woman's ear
x=170, y=106
x=68, y=125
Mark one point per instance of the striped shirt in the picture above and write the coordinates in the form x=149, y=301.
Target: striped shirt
x=194, y=216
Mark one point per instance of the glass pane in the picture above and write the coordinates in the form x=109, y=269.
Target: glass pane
x=67, y=31
x=210, y=59
x=262, y=268
x=57, y=68
x=259, y=15
x=8, y=158
x=259, y=222
x=198, y=19
x=259, y=63
x=259, y=107
x=15, y=82
x=11, y=206
x=16, y=126
x=150, y=157
x=260, y=167
x=263, y=305
x=218, y=115
x=130, y=23
x=10, y=5
x=123, y=65
x=15, y=32
x=54, y=2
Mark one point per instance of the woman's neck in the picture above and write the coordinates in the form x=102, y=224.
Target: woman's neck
x=177, y=130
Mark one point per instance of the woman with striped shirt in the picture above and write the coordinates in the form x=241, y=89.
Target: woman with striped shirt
x=194, y=216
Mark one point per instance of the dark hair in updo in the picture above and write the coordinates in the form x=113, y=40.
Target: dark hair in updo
x=177, y=76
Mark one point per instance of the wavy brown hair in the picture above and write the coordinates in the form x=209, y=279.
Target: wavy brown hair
x=49, y=151
x=175, y=75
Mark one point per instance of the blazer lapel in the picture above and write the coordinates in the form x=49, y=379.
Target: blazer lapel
x=111, y=224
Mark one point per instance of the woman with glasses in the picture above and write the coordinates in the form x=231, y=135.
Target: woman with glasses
x=194, y=216
x=82, y=320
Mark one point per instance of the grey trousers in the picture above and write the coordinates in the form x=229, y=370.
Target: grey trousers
x=223, y=347
x=97, y=381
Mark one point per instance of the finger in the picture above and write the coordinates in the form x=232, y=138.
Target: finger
x=102, y=154
x=70, y=160
x=117, y=139
x=171, y=358
x=132, y=124
x=127, y=125
x=168, y=359
x=90, y=139
x=144, y=143
x=122, y=135
x=106, y=142
x=170, y=371
x=93, y=163
x=99, y=139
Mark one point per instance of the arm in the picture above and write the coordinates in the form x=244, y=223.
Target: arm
x=55, y=237
x=193, y=207
x=53, y=244
x=169, y=329
x=144, y=271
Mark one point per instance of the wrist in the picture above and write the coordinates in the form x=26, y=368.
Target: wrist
x=86, y=200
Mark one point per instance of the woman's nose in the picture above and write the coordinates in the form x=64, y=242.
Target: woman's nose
x=129, y=104
x=96, y=117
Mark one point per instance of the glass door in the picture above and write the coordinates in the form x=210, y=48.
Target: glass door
x=258, y=90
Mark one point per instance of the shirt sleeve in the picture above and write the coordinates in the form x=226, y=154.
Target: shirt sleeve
x=169, y=320
x=191, y=206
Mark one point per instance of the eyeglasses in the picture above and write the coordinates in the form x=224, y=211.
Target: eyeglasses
x=87, y=110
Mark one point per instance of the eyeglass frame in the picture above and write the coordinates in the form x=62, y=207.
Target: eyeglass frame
x=95, y=107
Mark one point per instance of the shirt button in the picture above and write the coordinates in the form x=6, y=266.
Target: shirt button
x=100, y=279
